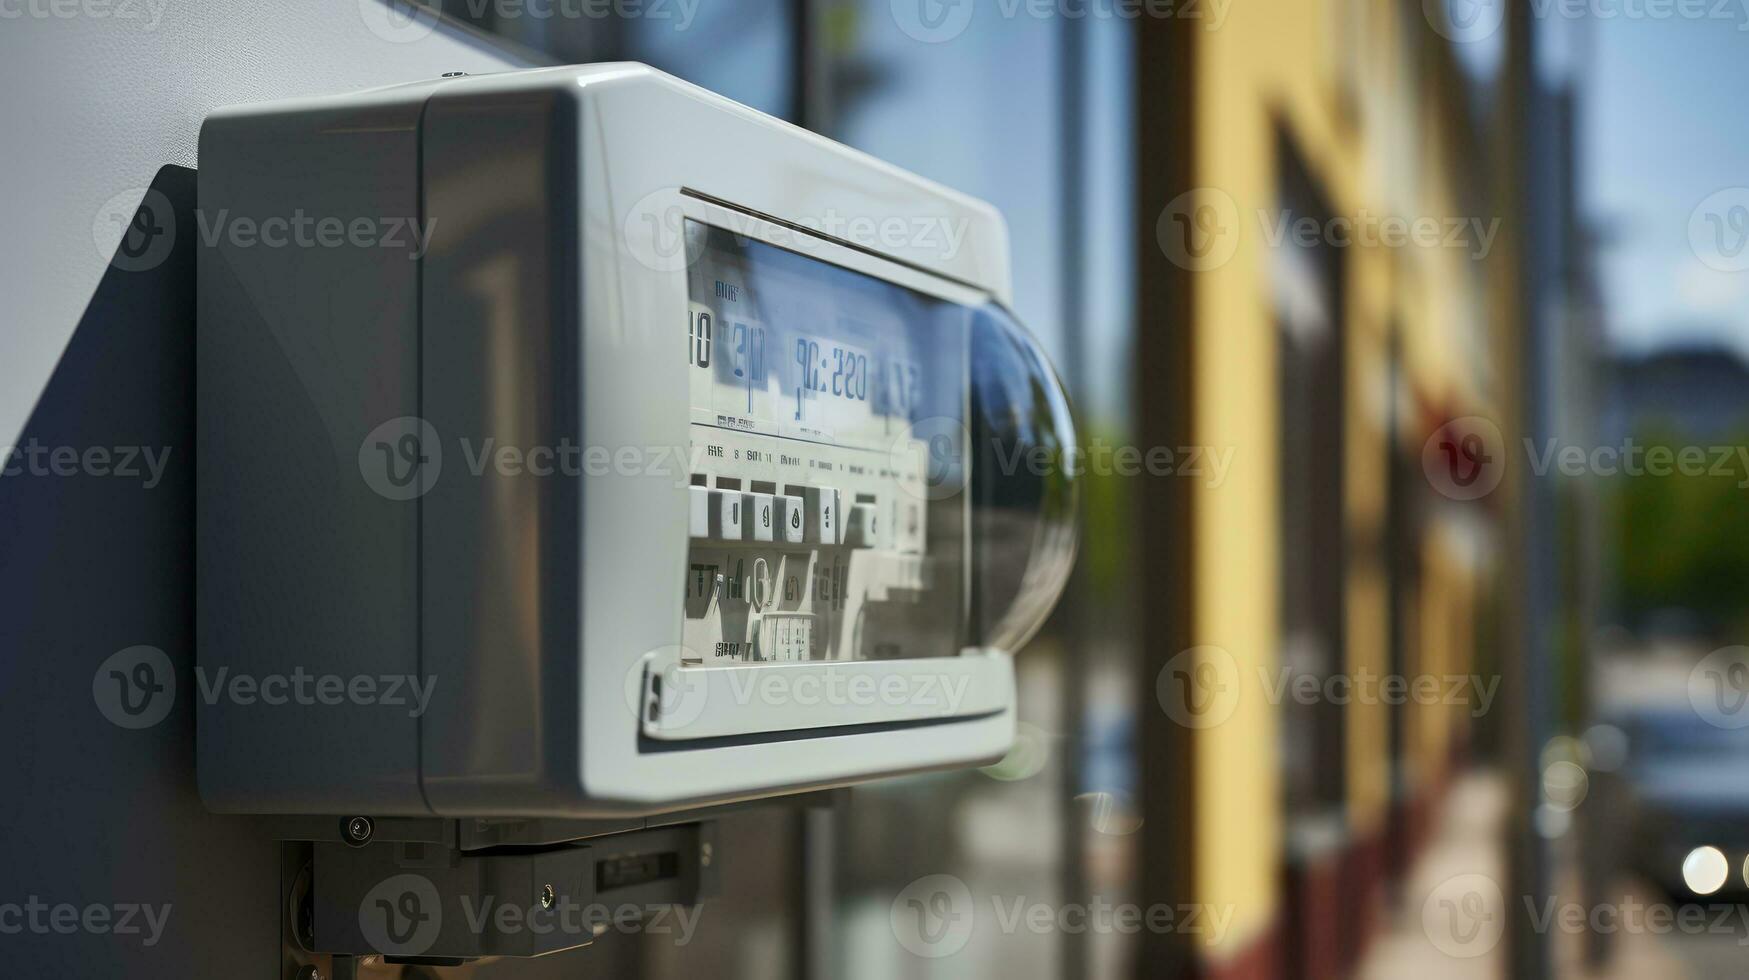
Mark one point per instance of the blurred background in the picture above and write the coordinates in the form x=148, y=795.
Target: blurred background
x=1406, y=636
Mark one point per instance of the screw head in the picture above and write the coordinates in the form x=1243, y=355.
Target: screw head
x=359, y=829
x=704, y=853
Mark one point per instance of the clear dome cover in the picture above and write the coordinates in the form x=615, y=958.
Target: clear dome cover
x=1023, y=482
x=925, y=441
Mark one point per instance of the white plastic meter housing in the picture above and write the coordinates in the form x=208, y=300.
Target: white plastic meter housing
x=577, y=442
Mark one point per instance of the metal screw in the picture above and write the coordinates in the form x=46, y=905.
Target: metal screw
x=359, y=829
x=547, y=897
x=310, y=972
x=704, y=854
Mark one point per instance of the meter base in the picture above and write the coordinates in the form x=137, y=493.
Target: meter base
x=430, y=892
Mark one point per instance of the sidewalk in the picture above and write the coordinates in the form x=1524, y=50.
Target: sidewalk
x=1451, y=922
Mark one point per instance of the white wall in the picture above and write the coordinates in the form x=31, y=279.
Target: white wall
x=98, y=94
x=99, y=815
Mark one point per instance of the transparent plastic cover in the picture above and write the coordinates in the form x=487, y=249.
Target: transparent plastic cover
x=1022, y=485
x=877, y=473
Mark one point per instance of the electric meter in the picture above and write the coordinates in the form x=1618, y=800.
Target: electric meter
x=577, y=442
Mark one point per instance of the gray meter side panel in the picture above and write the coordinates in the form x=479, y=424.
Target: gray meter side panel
x=503, y=379
x=304, y=573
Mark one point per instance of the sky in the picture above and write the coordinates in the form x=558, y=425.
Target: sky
x=1665, y=127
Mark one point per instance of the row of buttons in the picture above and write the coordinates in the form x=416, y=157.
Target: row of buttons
x=813, y=518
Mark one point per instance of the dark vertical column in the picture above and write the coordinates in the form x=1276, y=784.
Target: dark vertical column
x=817, y=892
x=1073, y=621
x=818, y=830
x=1164, y=126
x=810, y=68
x=1400, y=550
x=1531, y=538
